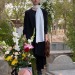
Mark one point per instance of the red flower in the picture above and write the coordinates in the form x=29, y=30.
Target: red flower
x=27, y=47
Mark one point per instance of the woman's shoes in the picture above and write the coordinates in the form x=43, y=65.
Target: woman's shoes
x=39, y=72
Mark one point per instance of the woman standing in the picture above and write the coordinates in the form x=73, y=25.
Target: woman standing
x=36, y=18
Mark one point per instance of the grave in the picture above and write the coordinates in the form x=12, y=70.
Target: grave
x=61, y=65
x=4, y=67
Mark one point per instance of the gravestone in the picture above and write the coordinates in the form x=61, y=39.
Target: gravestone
x=62, y=62
x=62, y=59
x=4, y=67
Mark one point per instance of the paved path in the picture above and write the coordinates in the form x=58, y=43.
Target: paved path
x=64, y=72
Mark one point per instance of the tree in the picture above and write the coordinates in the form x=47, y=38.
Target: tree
x=2, y=3
x=15, y=9
x=48, y=6
x=71, y=30
x=62, y=9
x=5, y=32
x=5, y=21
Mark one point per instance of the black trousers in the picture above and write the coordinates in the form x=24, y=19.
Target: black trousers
x=40, y=62
x=38, y=52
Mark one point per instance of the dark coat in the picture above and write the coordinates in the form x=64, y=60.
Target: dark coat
x=29, y=25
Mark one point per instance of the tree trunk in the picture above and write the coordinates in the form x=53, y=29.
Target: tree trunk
x=64, y=15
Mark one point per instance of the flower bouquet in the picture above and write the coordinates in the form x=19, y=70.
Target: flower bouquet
x=20, y=54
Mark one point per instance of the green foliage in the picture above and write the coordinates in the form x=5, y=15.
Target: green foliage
x=71, y=30
x=71, y=37
x=62, y=9
x=17, y=9
x=5, y=32
x=48, y=6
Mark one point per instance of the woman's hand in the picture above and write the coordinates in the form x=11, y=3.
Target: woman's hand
x=46, y=38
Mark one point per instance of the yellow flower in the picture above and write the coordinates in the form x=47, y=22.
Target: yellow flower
x=9, y=58
x=15, y=61
x=23, y=55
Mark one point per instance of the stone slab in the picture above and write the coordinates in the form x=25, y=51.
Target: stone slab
x=4, y=67
x=64, y=72
x=62, y=62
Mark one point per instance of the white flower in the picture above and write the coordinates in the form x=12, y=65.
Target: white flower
x=16, y=53
x=29, y=62
x=5, y=47
x=29, y=55
x=16, y=57
x=29, y=40
x=32, y=56
x=15, y=34
x=15, y=40
x=7, y=52
x=16, y=47
x=11, y=55
x=9, y=48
